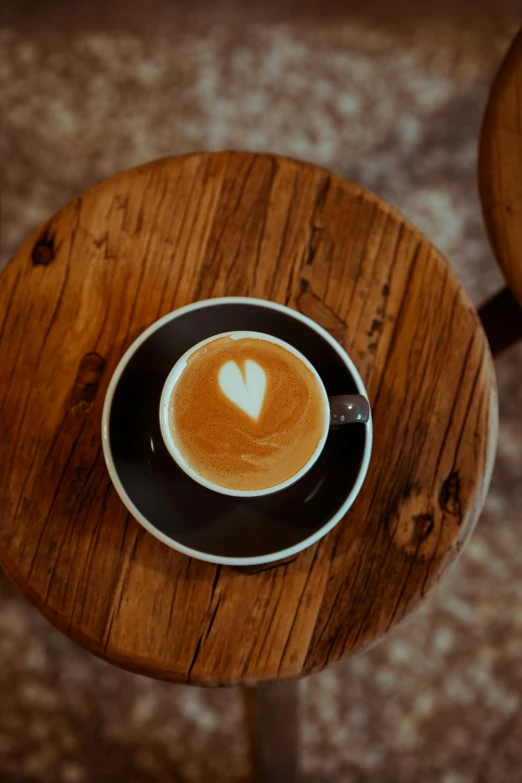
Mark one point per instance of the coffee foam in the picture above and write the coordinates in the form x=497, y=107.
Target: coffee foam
x=244, y=387
x=213, y=407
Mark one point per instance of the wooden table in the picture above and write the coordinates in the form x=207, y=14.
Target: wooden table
x=180, y=229
x=500, y=167
x=500, y=185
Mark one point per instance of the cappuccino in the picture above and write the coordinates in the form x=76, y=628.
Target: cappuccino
x=246, y=414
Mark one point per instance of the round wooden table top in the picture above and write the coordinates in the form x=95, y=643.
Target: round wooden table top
x=181, y=229
x=500, y=167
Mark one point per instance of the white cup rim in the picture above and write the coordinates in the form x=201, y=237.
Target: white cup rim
x=175, y=374
x=172, y=543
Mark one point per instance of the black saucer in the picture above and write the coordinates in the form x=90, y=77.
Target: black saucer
x=178, y=509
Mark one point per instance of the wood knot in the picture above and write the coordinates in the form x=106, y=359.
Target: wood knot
x=449, y=495
x=44, y=250
x=415, y=526
x=87, y=381
x=375, y=328
x=423, y=526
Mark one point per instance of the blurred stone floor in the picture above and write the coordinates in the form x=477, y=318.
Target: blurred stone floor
x=389, y=94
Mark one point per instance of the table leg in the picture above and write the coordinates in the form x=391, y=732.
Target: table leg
x=272, y=725
x=501, y=318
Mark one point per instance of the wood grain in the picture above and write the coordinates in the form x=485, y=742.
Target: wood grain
x=500, y=167
x=154, y=238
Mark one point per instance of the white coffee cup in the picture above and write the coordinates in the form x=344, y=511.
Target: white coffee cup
x=166, y=423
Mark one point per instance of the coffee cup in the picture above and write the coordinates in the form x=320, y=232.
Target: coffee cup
x=246, y=414
x=176, y=507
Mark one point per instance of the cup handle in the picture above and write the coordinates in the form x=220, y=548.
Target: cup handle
x=348, y=409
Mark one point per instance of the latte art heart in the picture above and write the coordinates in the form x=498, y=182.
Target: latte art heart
x=246, y=390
